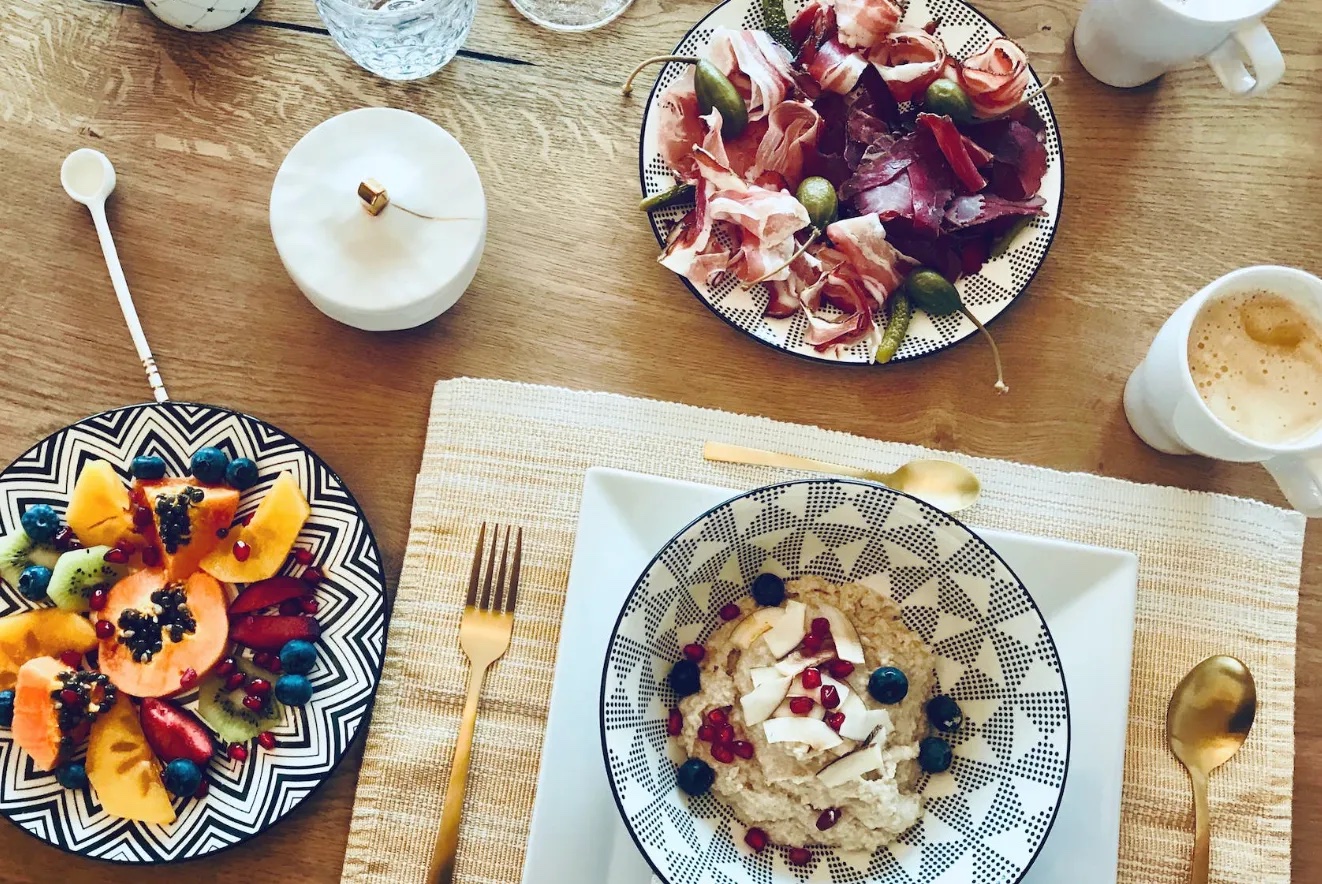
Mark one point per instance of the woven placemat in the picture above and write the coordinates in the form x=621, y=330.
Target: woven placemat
x=1217, y=575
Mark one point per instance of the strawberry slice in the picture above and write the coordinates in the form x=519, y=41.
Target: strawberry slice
x=174, y=732
x=267, y=633
x=267, y=594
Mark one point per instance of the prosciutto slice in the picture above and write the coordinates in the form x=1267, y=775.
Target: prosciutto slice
x=879, y=266
x=909, y=61
x=956, y=152
x=834, y=66
x=739, y=155
x=757, y=65
x=679, y=126
x=968, y=211
x=693, y=250
x=995, y=79
x=863, y=23
x=801, y=288
x=792, y=130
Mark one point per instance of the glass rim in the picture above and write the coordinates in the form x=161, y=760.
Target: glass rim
x=356, y=9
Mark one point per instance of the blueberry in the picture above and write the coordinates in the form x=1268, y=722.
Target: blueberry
x=768, y=590
x=241, y=473
x=944, y=713
x=298, y=657
x=6, y=708
x=40, y=522
x=934, y=755
x=695, y=777
x=182, y=777
x=293, y=689
x=148, y=466
x=33, y=582
x=888, y=685
x=209, y=465
x=685, y=678
x=72, y=775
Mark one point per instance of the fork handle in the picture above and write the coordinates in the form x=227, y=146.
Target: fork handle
x=447, y=838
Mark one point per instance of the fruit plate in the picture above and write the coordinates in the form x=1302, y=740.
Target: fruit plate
x=987, y=293
x=244, y=798
x=1086, y=593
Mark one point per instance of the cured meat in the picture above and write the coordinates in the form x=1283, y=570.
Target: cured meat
x=894, y=199
x=800, y=288
x=967, y=211
x=834, y=66
x=909, y=61
x=1020, y=158
x=954, y=149
x=792, y=130
x=756, y=64
x=679, y=126
x=879, y=266
x=738, y=154
x=996, y=78
x=863, y=23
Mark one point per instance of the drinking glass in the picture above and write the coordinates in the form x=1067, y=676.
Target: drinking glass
x=571, y=15
x=399, y=39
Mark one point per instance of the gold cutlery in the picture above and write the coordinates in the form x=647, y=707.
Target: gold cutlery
x=945, y=485
x=1208, y=719
x=484, y=635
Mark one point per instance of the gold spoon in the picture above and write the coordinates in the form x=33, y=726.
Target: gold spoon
x=1207, y=721
x=945, y=485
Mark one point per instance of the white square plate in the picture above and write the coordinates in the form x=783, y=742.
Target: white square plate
x=1086, y=593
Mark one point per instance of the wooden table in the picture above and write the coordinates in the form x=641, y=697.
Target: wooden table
x=1168, y=186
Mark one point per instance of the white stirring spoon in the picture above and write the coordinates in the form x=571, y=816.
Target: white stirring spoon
x=89, y=178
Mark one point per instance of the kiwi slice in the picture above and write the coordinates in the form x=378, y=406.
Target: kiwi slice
x=78, y=574
x=18, y=551
x=224, y=711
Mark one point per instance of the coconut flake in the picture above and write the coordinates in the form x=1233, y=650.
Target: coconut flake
x=758, y=705
x=797, y=662
x=789, y=629
x=853, y=766
x=763, y=674
x=847, y=645
x=801, y=730
x=751, y=628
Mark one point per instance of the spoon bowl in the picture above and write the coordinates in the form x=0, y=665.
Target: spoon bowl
x=87, y=176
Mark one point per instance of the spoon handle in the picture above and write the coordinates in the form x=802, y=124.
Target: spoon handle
x=723, y=453
x=1202, y=838
x=126, y=301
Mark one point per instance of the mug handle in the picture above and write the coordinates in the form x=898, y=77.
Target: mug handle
x=1300, y=479
x=1252, y=45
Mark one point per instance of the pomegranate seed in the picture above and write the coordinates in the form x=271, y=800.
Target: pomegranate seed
x=820, y=626
x=801, y=705
x=835, y=720
x=98, y=599
x=141, y=517
x=235, y=681
x=723, y=753
x=291, y=608
x=127, y=545
x=237, y=752
x=811, y=644
x=799, y=856
x=202, y=789
x=151, y=556
x=840, y=668
x=718, y=717
x=72, y=659
x=742, y=748
x=266, y=739
x=811, y=679
x=262, y=659
x=675, y=723
x=275, y=664
x=117, y=556
x=309, y=605
x=253, y=702
x=65, y=540
x=828, y=818
x=303, y=556
x=188, y=678
x=830, y=696
x=71, y=698
x=695, y=652
x=313, y=576
x=756, y=839
x=706, y=733
x=725, y=733
x=245, y=521
x=258, y=687
x=729, y=612
x=104, y=628
x=242, y=551
x=225, y=667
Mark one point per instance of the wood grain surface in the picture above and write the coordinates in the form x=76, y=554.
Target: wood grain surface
x=1167, y=186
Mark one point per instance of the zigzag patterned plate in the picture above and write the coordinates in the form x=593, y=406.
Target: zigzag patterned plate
x=985, y=820
x=987, y=294
x=245, y=799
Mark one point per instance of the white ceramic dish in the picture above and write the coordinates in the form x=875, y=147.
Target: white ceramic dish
x=1087, y=595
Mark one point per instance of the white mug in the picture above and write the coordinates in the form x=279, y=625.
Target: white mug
x=1129, y=42
x=1165, y=410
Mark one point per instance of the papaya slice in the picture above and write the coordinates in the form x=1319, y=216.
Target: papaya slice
x=185, y=520
x=123, y=769
x=269, y=536
x=99, y=512
x=148, y=657
x=43, y=633
x=36, y=722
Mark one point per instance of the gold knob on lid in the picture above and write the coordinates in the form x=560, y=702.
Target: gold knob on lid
x=373, y=195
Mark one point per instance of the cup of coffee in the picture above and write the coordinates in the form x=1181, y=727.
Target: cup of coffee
x=1130, y=42
x=1236, y=374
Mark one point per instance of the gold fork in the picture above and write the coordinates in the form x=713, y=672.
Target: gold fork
x=484, y=636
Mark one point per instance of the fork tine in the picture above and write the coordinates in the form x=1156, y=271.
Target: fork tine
x=513, y=595
x=477, y=567
x=500, y=575
x=491, y=567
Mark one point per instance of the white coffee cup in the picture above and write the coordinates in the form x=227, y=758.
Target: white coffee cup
x=1166, y=411
x=1130, y=42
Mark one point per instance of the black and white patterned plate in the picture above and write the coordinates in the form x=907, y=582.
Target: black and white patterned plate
x=244, y=799
x=987, y=294
x=984, y=820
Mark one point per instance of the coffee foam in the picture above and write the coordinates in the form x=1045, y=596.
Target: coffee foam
x=1256, y=359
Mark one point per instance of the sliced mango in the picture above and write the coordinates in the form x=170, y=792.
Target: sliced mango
x=45, y=633
x=270, y=536
x=99, y=512
x=123, y=769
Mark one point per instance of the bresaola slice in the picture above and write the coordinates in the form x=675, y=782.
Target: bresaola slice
x=968, y=211
x=271, y=633
x=953, y=147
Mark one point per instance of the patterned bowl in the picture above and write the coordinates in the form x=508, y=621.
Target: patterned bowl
x=984, y=820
